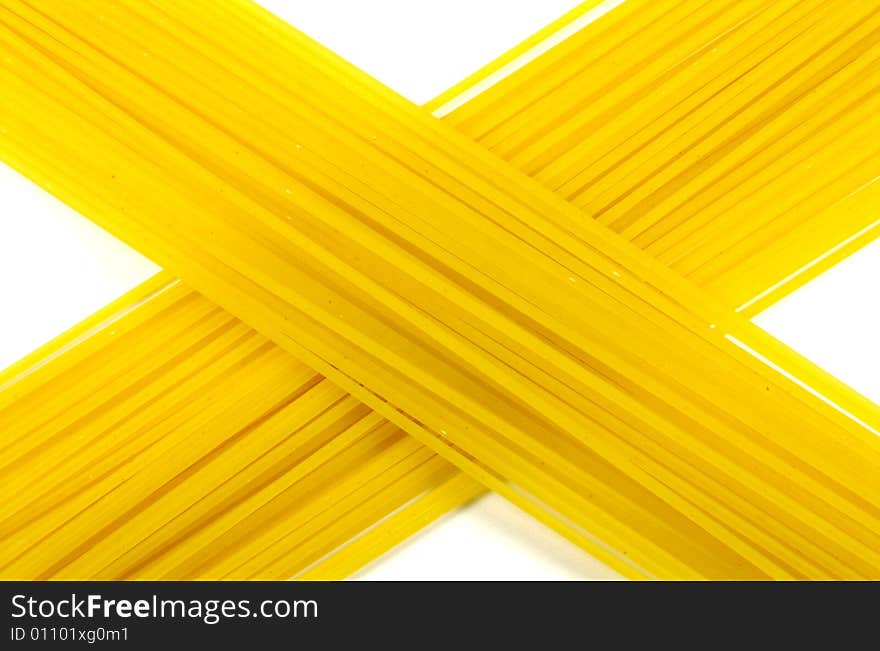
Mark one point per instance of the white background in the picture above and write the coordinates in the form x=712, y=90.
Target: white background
x=56, y=268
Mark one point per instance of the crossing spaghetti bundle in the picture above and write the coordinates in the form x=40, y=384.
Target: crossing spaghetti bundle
x=536, y=294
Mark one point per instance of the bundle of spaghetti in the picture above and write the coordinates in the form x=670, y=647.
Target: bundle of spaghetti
x=476, y=81
x=124, y=458
x=612, y=399
x=79, y=345
x=84, y=345
x=735, y=141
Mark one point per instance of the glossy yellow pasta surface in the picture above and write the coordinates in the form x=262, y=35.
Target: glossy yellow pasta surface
x=523, y=341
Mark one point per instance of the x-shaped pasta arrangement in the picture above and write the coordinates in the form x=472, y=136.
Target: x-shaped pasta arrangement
x=380, y=314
